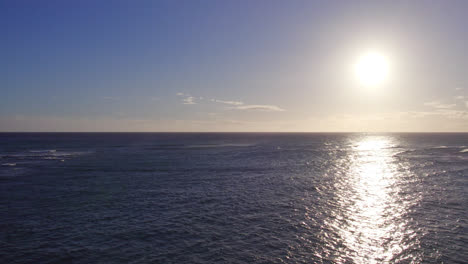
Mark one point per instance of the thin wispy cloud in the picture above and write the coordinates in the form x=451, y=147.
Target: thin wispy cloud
x=448, y=113
x=462, y=99
x=442, y=110
x=227, y=102
x=189, y=100
x=439, y=105
x=456, y=114
x=236, y=105
x=266, y=108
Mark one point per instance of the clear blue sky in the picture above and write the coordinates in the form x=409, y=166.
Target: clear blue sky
x=231, y=65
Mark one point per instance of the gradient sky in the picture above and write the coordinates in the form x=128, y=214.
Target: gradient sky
x=231, y=65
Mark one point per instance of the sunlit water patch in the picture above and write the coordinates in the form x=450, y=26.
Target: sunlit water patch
x=371, y=202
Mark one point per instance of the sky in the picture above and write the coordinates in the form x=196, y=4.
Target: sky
x=237, y=66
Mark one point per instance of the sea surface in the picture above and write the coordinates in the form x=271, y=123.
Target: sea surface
x=233, y=198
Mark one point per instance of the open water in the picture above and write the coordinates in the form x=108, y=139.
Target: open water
x=233, y=198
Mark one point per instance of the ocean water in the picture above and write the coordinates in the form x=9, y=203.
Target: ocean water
x=233, y=198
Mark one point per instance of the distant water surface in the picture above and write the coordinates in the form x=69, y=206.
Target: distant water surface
x=233, y=198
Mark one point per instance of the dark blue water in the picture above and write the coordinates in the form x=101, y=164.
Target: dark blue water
x=233, y=198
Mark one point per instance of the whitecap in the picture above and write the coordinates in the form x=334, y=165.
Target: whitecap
x=9, y=164
x=464, y=150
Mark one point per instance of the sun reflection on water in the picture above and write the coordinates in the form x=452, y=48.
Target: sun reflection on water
x=368, y=218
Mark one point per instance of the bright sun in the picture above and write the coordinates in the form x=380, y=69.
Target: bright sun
x=372, y=69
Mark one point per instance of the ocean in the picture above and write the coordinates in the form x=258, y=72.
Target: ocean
x=233, y=198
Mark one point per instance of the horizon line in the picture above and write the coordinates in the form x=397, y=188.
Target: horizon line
x=248, y=132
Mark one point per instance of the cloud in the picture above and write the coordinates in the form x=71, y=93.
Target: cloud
x=443, y=110
x=238, y=105
x=452, y=114
x=439, y=105
x=227, y=102
x=461, y=98
x=266, y=108
x=189, y=100
x=444, y=113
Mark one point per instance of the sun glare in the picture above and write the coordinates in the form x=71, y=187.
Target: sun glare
x=371, y=69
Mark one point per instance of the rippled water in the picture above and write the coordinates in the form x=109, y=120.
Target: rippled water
x=233, y=198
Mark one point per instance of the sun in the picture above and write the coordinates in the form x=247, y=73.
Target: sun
x=372, y=69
